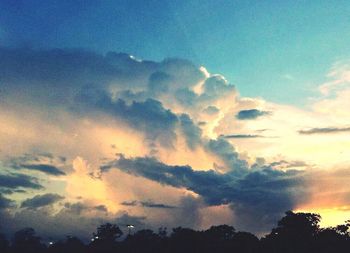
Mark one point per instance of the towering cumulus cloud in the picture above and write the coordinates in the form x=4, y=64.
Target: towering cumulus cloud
x=90, y=138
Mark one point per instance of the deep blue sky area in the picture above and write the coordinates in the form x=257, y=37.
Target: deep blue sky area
x=280, y=50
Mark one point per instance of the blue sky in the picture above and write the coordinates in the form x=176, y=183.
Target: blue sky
x=280, y=50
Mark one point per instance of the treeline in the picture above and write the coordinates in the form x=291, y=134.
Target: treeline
x=295, y=233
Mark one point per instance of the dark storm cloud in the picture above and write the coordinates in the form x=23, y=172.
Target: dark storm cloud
x=287, y=164
x=151, y=204
x=251, y=114
x=216, y=188
x=61, y=72
x=41, y=200
x=191, y=131
x=45, y=168
x=75, y=208
x=43, y=162
x=264, y=192
x=78, y=208
x=101, y=208
x=117, y=84
x=11, y=191
x=177, y=176
x=159, y=82
x=214, y=87
x=149, y=116
x=6, y=191
x=5, y=202
x=243, y=136
x=211, y=110
x=55, y=67
x=188, y=213
x=223, y=149
x=186, y=96
x=148, y=203
x=129, y=203
x=67, y=221
x=325, y=130
x=55, y=76
x=13, y=181
x=125, y=219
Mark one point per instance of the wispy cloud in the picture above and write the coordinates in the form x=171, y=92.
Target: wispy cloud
x=340, y=77
x=151, y=204
x=243, y=136
x=325, y=130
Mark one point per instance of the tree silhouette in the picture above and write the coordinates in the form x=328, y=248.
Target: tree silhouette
x=217, y=238
x=244, y=242
x=144, y=241
x=220, y=233
x=107, y=232
x=104, y=240
x=70, y=245
x=25, y=240
x=4, y=244
x=184, y=240
x=335, y=239
x=294, y=233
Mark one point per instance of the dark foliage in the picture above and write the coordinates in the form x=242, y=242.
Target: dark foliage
x=295, y=232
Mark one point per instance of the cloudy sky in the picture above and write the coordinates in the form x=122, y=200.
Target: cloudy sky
x=190, y=114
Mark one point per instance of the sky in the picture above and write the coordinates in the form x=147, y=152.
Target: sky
x=172, y=113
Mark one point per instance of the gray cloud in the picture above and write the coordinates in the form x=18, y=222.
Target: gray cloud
x=159, y=83
x=251, y=114
x=223, y=149
x=243, y=136
x=116, y=84
x=191, y=131
x=287, y=164
x=43, y=162
x=214, y=87
x=188, y=213
x=13, y=181
x=211, y=110
x=78, y=208
x=11, y=191
x=5, y=202
x=101, y=208
x=325, y=130
x=45, y=168
x=148, y=204
x=66, y=221
x=41, y=200
x=129, y=203
x=151, y=204
x=177, y=176
x=125, y=219
x=54, y=77
x=149, y=116
x=186, y=97
x=75, y=208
